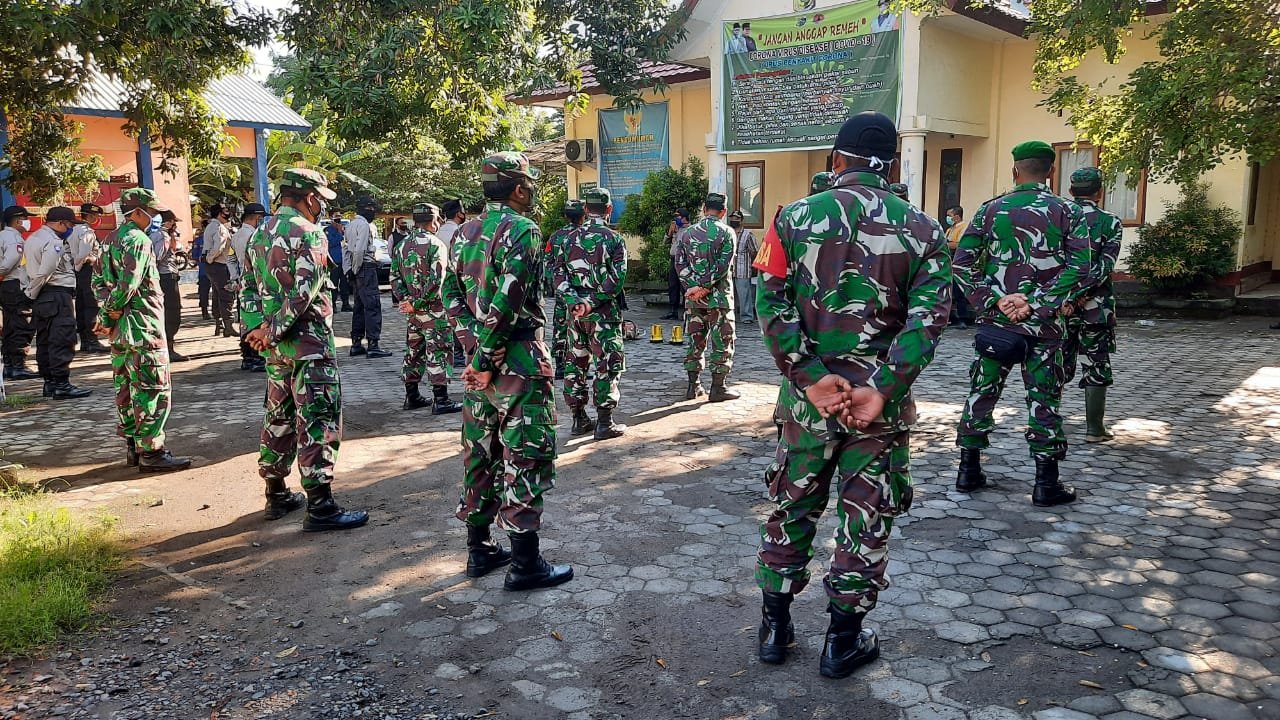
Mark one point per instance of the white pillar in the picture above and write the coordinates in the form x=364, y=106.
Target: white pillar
x=717, y=162
x=912, y=149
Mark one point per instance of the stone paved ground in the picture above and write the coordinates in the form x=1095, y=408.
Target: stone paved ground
x=1155, y=596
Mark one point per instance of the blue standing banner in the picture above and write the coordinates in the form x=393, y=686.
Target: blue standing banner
x=633, y=144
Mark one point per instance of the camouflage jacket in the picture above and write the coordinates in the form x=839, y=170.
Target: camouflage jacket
x=493, y=293
x=592, y=269
x=704, y=258
x=856, y=282
x=554, y=255
x=286, y=287
x=1105, y=231
x=1029, y=241
x=126, y=280
x=417, y=274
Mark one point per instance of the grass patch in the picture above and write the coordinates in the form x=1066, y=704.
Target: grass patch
x=54, y=567
x=19, y=402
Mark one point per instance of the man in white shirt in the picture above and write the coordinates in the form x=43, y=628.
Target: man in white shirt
x=217, y=253
x=250, y=359
x=85, y=250
x=51, y=283
x=454, y=217
x=14, y=303
x=745, y=254
x=361, y=264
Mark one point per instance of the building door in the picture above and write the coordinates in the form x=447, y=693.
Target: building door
x=949, y=173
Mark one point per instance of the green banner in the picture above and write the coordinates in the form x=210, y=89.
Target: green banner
x=791, y=81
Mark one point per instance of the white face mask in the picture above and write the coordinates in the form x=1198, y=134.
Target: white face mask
x=25, y=224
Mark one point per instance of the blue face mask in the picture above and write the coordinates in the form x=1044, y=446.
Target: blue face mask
x=64, y=234
x=679, y=222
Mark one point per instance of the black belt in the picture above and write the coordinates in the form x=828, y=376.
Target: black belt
x=529, y=334
x=56, y=288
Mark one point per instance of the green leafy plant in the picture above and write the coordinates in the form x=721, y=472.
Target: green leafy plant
x=1194, y=243
x=649, y=213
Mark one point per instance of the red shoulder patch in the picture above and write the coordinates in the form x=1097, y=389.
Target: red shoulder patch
x=772, y=258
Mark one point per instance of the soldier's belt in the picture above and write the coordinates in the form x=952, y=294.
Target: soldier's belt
x=532, y=334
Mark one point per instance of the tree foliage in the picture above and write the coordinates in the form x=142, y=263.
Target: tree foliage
x=649, y=213
x=386, y=69
x=1194, y=243
x=163, y=53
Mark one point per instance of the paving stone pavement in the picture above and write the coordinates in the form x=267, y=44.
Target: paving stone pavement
x=1157, y=595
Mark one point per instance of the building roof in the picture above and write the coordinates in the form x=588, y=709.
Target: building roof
x=548, y=156
x=670, y=73
x=243, y=101
x=1013, y=16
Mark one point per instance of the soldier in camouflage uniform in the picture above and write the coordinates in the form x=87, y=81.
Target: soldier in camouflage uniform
x=573, y=214
x=417, y=273
x=126, y=283
x=1024, y=255
x=589, y=276
x=286, y=302
x=856, y=294
x=1091, y=328
x=822, y=182
x=704, y=259
x=493, y=294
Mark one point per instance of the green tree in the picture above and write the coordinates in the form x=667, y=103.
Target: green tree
x=164, y=54
x=1211, y=94
x=385, y=69
x=649, y=213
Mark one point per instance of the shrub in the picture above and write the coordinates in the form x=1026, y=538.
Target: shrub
x=649, y=213
x=1194, y=243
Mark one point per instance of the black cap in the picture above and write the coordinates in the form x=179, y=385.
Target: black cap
x=451, y=208
x=61, y=213
x=254, y=209
x=15, y=211
x=91, y=208
x=869, y=134
x=368, y=203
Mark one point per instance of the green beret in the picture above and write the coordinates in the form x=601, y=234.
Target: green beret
x=597, y=196
x=1086, y=177
x=1034, y=149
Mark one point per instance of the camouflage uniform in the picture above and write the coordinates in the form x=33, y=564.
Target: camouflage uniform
x=591, y=271
x=127, y=281
x=287, y=291
x=1033, y=242
x=822, y=182
x=867, y=302
x=704, y=258
x=1092, y=328
x=417, y=272
x=559, y=316
x=493, y=294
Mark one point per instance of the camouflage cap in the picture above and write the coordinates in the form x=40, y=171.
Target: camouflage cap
x=573, y=207
x=714, y=201
x=132, y=198
x=1033, y=149
x=1086, y=178
x=822, y=182
x=899, y=189
x=597, y=196
x=508, y=165
x=425, y=213
x=307, y=179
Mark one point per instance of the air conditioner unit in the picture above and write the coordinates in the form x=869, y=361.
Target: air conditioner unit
x=580, y=151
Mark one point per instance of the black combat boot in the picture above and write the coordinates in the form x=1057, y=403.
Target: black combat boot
x=528, y=570
x=63, y=389
x=441, y=403
x=413, y=397
x=19, y=371
x=89, y=344
x=719, y=393
x=582, y=422
x=161, y=461
x=1095, y=415
x=605, y=426
x=376, y=351
x=483, y=555
x=970, y=477
x=217, y=328
x=1049, y=490
x=695, y=389
x=248, y=365
x=230, y=331
x=47, y=391
x=777, y=634
x=130, y=452
x=204, y=313
x=323, y=512
x=459, y=360
x=848, y=646
x=357, y=348
x=346, y=307
x=175, y=356
x=280, y=501
x=559, y=370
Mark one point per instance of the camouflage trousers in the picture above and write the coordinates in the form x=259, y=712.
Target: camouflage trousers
x=873, y=479
x=1042, y=374
x=508, y=453
x=712, y=326
x=302, y=419
x=591, y=339
x=143, y=393
x=559, y=333
x=428, y=344
x=1097, y=342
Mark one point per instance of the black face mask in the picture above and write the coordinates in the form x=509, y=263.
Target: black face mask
x=735, y=224
x=366, y=214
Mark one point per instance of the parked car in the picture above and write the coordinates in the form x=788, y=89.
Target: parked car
x=383, y=257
